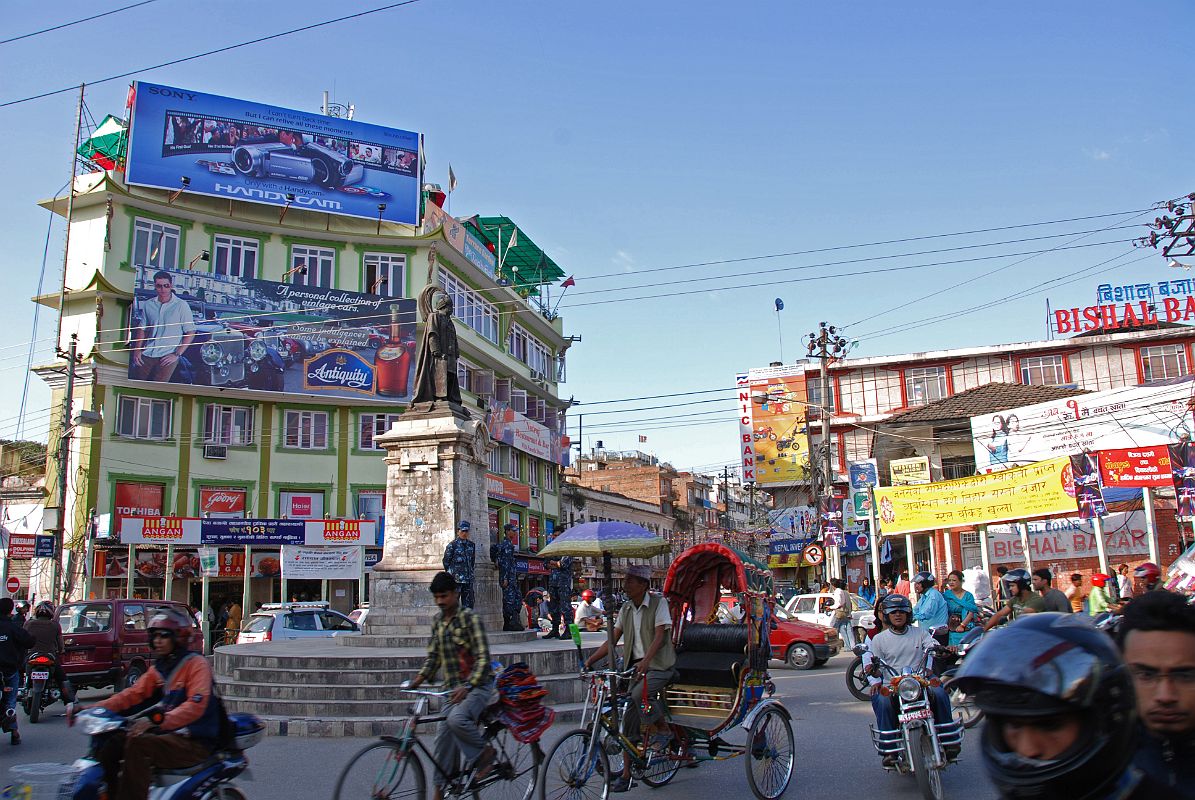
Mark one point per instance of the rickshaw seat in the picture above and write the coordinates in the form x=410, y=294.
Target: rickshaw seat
x=711, y=655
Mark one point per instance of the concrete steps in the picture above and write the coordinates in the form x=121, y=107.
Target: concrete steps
x=348, y=690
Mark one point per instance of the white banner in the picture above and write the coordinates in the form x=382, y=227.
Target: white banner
x=323, y=563
x=159, y=530
x=340, y=531
x=1069, y=537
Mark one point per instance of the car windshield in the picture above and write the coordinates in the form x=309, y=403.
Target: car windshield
x=781, y=614
x=85, y=618
x=259, y=623
x=860, y=602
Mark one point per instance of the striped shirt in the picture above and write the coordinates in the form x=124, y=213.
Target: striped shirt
x=459, y=647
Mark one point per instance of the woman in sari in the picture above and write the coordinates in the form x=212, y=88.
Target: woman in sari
x=961, y=608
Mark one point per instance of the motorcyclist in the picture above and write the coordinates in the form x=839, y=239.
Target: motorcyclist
x=931, y=611
x=21, y=612
x=48, y=639
x=14, y=641
x=180, y=681
x=900, y=646
x=1060, y=712
x=1150, y=576
x=1021, y=599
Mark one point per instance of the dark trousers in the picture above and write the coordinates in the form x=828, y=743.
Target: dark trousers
x=556, y=610
x=466, y=593
x=885, y=708
x=152, y=369
x=129, y=764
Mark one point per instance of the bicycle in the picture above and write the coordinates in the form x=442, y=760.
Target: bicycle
x=390, y=768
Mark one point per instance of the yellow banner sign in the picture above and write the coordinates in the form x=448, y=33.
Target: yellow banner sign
x=1037, y=490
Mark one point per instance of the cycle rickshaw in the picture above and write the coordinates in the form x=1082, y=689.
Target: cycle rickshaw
x=722, y=689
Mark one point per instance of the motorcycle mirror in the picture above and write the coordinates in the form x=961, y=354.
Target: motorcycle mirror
x=859, y=649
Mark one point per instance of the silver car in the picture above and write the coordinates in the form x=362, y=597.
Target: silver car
x=281, y=621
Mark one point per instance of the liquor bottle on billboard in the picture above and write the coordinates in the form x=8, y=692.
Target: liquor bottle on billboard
x=392, y=364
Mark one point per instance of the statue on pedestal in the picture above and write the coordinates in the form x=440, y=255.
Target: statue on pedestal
x=435, y=364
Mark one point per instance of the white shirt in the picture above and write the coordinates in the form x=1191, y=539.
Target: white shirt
x=663, y=618
x=586, y=610
x=1126, y=585
x=840, y=599
x=165, y=325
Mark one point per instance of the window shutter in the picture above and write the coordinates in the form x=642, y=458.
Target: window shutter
x=518, y=400
x=502, y=390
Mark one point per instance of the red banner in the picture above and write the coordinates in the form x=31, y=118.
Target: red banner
x=499, y=488
x=222, y=502
x=21, y=546
x=533, y=534
x=1135, y=467
x=137, y=500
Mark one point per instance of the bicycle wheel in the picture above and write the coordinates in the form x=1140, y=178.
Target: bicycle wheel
x=382, y=772
x=771, y=754
x=662, y=765
x=515, y=771
x=574, y=770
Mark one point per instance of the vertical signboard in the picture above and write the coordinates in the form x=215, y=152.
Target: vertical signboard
x=772, y=424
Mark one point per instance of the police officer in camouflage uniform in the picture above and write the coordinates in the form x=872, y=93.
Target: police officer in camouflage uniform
x=502, y=553
x=560, y=587
x=460, y=557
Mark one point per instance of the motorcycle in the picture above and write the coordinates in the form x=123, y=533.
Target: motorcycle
x=968, y=712
x=38, y=691
x=919, y=745
x=212, y=779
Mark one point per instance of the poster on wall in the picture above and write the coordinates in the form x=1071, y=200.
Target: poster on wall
x=244, y=333
x=778, y=402
x=322, y=563
x=219, y=502
x=242, y=150
x=1182, y=472
x=1089, y=492
x=1136, y=467
x=1065, y=538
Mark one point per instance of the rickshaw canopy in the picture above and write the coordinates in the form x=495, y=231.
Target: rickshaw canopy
x=699, y=574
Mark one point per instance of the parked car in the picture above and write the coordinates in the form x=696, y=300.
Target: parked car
x=280, y=621
x=105, y=642
x=802, y=645
x=359, y=614
x=816, y=608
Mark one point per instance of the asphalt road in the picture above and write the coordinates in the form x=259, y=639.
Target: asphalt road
x=835, y=758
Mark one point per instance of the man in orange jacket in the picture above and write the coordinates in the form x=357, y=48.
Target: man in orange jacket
x=180, y=681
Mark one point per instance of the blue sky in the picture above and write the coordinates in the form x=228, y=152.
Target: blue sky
x=627, y=136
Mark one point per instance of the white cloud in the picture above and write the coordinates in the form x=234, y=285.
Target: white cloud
x=1097, y=154
x=624, y=261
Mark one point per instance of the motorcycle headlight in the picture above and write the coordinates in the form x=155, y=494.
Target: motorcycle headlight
x=211, y=353
x=909, y=689
x=257, y=351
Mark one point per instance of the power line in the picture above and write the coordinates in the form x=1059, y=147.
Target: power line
x=75, y=22
x=217, y=51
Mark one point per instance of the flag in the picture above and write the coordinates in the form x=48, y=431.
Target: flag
x=451, y=179
x=642, y=438
x=131, y=97
x=107, y=144
x=568, y=282
x=779, y=304
x=514, y=239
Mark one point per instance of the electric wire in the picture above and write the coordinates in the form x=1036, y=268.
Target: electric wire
x=75, y=22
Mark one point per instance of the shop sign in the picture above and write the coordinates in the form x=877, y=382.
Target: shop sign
x=43, y=547
x=253, y=531
x=530, y=566
x=1130, y=306
x=863, y=474
x=321, y=563
x=219, y=502
x=159, y=530
x=459, y=236
x=21, y=546
x=1064, y=538
x=1135, y=467
x=533, y=534
x=779, y=547
x=512, y=428
x=746, y=447
x=339, y=531
x=500, y=488
x=909, y=471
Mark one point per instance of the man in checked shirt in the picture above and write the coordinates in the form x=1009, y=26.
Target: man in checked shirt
x=459, y=647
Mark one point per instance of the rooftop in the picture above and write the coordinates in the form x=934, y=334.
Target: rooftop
x=986, y=399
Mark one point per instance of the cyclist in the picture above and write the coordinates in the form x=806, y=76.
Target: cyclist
x=459, y=647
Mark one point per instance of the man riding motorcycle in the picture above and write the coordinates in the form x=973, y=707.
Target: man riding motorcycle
x=1150, y=575
x=1021, y=599
x=180, y=681
x=931, y=611
x=48, y=639
x=14, y=641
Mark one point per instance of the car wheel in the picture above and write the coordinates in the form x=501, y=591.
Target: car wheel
x=801, y=656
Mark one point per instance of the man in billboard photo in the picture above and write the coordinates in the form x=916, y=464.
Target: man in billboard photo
x=166, y=331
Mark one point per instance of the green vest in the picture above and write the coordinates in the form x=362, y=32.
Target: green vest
x=665, y=657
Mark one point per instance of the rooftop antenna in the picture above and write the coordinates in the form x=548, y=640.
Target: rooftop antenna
x=330, y=109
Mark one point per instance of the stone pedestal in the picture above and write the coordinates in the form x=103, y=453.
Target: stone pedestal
x=435, y=477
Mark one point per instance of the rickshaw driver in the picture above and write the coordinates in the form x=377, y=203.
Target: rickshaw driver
x=647, y=648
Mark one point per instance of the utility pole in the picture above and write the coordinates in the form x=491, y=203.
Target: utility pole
x=726, y=498
x=825, y=344
x=64, y=457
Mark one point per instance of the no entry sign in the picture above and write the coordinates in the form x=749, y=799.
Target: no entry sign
x=13, y=585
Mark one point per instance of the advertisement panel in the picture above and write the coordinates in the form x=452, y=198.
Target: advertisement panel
x=1089, y=492
x=1136, y=467
x=863, y=474
x=21, y=546
x=461, y=238
x=263, y=154
x=512, y=428
x=253, y=532
x=136, y=500
x=244, y=333
x=909, y=471
x=219, y=502
x=500, y=488
x=159, y=530
x=778, y=416
x=792, y=522
x=1129, y=417
x=1182, y=473
x=746, y=441
x=1069, y=537
x=323, y=563
x=1037, y=490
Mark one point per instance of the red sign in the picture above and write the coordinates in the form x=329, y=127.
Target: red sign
x=137, y=500
x=495, y=523
x=219, y=502
x=500, y=488
x=13, y=585
x=813, y=554
x=1135, y=467
x=1116, y=316
x=533, y=534
x=300, y=506
x=21, y=546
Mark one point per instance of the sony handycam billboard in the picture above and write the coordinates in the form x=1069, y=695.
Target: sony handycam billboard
x=248, y=151
x=229, y=332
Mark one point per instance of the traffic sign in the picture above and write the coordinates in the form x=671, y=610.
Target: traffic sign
x=14, y=585
x=813, y=554
x=863, y=474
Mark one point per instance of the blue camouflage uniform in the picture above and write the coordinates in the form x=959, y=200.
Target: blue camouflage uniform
x=560, y=587
x=460, y=556
x=502, y=553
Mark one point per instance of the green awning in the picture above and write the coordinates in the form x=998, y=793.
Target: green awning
x=525, y=265
x=107, y=144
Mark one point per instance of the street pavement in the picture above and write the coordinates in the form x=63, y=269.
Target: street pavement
x=835, y=758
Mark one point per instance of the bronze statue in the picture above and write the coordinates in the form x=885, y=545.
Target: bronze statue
x=435, y=364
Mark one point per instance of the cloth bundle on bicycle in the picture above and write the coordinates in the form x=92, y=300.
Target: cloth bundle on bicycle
x=522, y=712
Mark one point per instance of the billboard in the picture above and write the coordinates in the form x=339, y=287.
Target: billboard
x=909, y=471
x=1064, y=538
x=1136, y=467
x=775, y=402
x=245, y=333
x=1131, y=416
x=262, y=154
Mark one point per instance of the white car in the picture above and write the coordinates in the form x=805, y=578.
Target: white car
x=275, y=622
x=359, y=613
x=816, y=608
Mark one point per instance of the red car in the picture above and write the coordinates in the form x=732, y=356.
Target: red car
x=802, y=645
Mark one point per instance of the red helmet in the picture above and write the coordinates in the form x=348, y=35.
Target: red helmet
x=165, y=621
x=1098, y=579
x=588, y=596
x=1148, y=572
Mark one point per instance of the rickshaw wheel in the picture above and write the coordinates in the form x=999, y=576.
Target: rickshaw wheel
x=662, y=767
x=771, y=754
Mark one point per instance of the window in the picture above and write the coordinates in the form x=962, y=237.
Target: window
x=232, y=425
x=134, y=618
x=526, y=348
x=1163, y=361
x=549, y=476
x=470, y=307
x=312, y=266
x=300, y=621
x=306, y=430
x=155, y=244
x=958, y=467
x=143, y=418
x=92, y=618
x=235, y=257
x=301, y=505
x=374, y=425
x=1043, y=371
x=331, y=621
x=533, y=472
x=372, y=505
x=815, y=399
x=924, y=385
x=385, y=274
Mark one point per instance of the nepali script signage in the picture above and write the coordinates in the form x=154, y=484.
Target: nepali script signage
x=1037, y=490
x=1131, y=306
x=189, y=531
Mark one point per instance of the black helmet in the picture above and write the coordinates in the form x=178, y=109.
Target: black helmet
x=44, y=610
x=1047, y=664
x=1020, y=577
x=923, y=580
x=894, y=602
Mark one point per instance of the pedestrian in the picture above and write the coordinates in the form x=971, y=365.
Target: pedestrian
x=1124, y=582
x=1075, y=593
x=1001, y=589
x=1054, y=599
x=502, y=553
x=232, y=625
x=867, y=591
x=962, y=610
x=884, y=590
x=560, y=585
x=903, y=586
x=532, y=600
x=460, y=559
x=840, y=616
x=14, y=641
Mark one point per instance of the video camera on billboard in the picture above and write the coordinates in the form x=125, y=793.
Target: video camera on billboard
x=310, y=163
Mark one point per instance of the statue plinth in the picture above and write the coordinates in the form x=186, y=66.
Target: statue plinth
x=435, y=477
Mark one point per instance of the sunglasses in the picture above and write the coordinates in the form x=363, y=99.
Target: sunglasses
x=160, y=634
